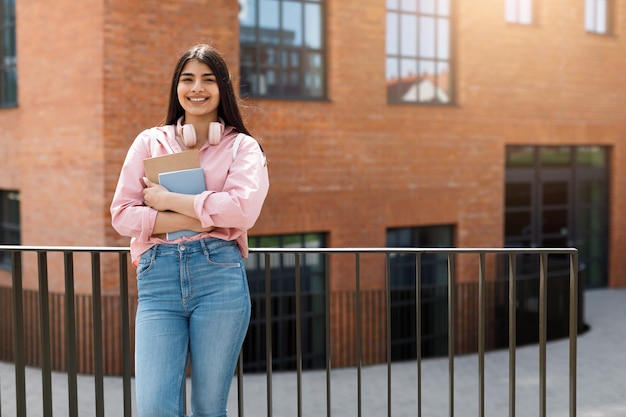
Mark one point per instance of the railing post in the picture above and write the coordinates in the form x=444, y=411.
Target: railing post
x=543, y=313
x=512, y=330
x=573, y=330
x=268, y=331
x=96, y=305
x=451, y=328
x=44, y=328
x=70, y=334
x=125, y=317
x=481, y=334
x=19, y=351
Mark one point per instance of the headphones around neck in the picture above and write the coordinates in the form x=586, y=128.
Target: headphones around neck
x=188, y=134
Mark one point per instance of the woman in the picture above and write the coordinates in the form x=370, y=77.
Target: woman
x=193, y=294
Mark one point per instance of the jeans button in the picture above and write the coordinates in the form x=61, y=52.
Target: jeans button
x=182, y=247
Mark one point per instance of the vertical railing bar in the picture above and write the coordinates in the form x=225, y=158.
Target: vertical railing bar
x=70, y=334
x=359, y=338
x=44, y=328
x=573, y=330
x=240, y=385
x=328, y=341
x=298, y=334
x=543, y=303
x=451, y=327
x=96, y=305
x=125, y=329
x=268, y=332
x=481, y=334
x=418, y=328
x=19, y=352
x=388, y=327
x=512, y=330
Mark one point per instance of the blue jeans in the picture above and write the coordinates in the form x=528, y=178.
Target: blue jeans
x=194, y=303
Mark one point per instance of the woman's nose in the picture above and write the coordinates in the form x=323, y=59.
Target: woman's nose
x=197, y=86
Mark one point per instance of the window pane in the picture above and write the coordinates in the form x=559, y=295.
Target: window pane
x=408, y=42
x=555, y=155
x=526, y=12
x=443, y=39
x=427, y=6
x=392, y=4
x=392, y=34
x=589, y=15
x=247, y=12
x=518, y=195
x=313, y=26
x=409, y=5
x=443, y=7
x=591, y=156
x=427, y=37
x=292, y=23
x=601, y=16
x=268, y=14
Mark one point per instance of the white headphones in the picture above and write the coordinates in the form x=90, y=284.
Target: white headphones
x=188, y=134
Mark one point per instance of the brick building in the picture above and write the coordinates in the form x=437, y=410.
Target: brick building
x=486, y=123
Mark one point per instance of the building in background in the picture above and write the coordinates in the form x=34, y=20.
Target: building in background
x=386, y=123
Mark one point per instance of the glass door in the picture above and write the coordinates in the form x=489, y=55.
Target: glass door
x=557, y=196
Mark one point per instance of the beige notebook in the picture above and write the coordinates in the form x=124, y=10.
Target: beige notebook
x=171, y=162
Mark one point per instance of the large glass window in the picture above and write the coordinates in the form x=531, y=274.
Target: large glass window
x=598, y=16
x=282, y=269
x=419, y=52
x=282, y=48
x=433, y=291
x=519, y=11
x=8, y=70
x=9, y=223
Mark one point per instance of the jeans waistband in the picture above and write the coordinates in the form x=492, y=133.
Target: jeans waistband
x=190, y=246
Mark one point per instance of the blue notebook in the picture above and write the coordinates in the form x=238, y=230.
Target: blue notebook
x=186, y=181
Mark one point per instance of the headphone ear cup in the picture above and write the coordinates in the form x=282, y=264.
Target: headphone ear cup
x=216, y=130
x=189, y=136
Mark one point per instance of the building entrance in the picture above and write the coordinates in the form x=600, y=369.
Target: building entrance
x=557, y=196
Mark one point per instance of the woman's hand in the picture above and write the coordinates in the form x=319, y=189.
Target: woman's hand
x=155, y=195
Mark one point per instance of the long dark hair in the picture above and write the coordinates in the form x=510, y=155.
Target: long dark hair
x=228, y=108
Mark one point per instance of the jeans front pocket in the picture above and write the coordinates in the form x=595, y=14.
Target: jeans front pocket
x=225, y=255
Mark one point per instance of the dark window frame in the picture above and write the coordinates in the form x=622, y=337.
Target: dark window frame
x=441, y=80
x=295, y=72
x=313, y=270
x=518, y=5
x=594, y=7
x=8, y=55
x=10, y=230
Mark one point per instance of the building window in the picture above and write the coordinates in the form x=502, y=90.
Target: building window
x=282, y=267
x=519, y=11
x=282, y=49
x=419, y=51
x=8, y=70
x=433, y=290
x=9, y=224
x=597, y=16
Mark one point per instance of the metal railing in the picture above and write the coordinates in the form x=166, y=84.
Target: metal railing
x=479, y=255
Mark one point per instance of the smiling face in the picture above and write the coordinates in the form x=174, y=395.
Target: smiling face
x=198, y=92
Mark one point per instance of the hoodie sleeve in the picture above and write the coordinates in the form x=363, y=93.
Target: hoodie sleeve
x=129, y=215
x=238, y=205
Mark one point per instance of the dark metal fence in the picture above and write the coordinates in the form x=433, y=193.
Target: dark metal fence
x=489, y=306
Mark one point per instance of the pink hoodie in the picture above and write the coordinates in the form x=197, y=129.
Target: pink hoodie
x=237, y=186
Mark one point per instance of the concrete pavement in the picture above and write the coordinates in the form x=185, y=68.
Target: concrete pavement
x=601, y=378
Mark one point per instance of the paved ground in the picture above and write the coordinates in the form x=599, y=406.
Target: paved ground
x=601, y=381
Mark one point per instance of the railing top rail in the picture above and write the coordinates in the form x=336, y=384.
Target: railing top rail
x=310, y=250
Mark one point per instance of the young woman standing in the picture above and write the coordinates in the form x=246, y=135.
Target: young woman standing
x=193, y=293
